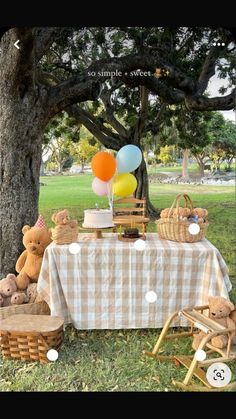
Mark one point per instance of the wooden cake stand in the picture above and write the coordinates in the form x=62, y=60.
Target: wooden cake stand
x=97, y=231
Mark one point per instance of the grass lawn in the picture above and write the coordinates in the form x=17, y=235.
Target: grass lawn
x=101, y=360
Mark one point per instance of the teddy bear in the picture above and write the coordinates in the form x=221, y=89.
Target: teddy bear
x=7, y=288
x=181, y=213
x=18, y=298
x=219, y=310
x=32, y=294
x=1, y=301
x=165, y=213
x=62, y=219
x=66, y=230
x=200, y=213
x=35, y=240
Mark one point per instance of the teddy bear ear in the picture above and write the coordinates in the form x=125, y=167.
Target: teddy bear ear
x=206, y=212
x=11, y=277
x=230, y=305
x=25, y=228
x=210, y=299
x=54, y=217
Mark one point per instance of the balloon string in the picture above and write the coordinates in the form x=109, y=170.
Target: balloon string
x=110, y=194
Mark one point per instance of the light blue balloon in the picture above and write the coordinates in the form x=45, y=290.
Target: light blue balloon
x=128, y=158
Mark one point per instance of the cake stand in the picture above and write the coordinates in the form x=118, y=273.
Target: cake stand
x=97, y=231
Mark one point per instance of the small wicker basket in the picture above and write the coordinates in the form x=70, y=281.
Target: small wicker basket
x=64, y=235
x=30, y=337
x=40, y=307
x=178, y=230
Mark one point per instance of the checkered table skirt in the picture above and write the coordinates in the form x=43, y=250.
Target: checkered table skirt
x=104, y=285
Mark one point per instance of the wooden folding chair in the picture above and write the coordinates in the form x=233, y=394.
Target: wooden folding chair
x=130, y=211
x=198, y=320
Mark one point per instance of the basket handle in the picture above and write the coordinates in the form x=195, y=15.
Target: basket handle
x=188, y=203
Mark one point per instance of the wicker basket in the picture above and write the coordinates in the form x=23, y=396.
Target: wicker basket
x=177, y=230
x=40, y=307
x=29, y=337
x=65, y=235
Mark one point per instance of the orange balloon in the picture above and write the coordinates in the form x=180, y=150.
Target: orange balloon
x=103, y=165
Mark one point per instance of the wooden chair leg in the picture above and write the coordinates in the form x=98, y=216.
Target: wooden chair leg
x=164, y=332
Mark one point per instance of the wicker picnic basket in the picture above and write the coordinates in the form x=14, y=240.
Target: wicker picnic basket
x=176, y=229
x=65, y=235
x=29, y=337
x=40, y=307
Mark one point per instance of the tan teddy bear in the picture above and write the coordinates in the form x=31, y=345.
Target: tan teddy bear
x=28, y=265
x=7, y=288
x=62, y=219
x=66, y=230
x=18, y=298
x=164, y=213
x=201, y=213
x=181, y=213
x=32, y=293
x=219, y=310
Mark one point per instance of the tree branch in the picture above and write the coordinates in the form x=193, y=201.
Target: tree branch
x=220, y=103
x=140, y=123
x=86, y=86
x=156, y=86
x=208, y=69
x=110, y=141
x=43, y=39
x=155, y=125
x=106, y=99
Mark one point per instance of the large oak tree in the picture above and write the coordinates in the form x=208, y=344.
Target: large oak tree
x=56, y=68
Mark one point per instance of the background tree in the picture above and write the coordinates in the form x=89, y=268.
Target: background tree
x=56, y=68
x=83, y=151
x=167, y=154
x=223, y=140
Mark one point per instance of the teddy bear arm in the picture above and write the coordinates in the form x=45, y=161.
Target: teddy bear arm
x=21, y=261
x=73, y=223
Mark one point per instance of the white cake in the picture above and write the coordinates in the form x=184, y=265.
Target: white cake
x=94, y=218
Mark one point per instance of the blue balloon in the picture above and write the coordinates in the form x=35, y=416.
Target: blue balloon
x=128, y=158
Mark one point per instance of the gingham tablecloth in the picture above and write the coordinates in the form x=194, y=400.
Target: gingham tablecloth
x=104, y=285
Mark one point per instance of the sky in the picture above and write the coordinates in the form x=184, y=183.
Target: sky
x=213, y=89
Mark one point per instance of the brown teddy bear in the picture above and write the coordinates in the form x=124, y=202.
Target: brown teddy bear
x=219, y=310
x=28, y=265
x=7, y=288
x=18, y=298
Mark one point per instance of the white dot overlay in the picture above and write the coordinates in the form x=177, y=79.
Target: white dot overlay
x=200, y=355
x=139, y=244
x=74, y=248
x=193, y=229
x=151, y=297
x=52, y=355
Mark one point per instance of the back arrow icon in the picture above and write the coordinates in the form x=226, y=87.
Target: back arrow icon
x=16, y=44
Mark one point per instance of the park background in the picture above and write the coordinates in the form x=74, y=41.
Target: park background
x=60, y=116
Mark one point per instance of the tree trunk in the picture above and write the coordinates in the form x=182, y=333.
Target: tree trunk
x=201, y=167
x=20, y=160
x=142, y=190
x=185, y=163
x=42, y=168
